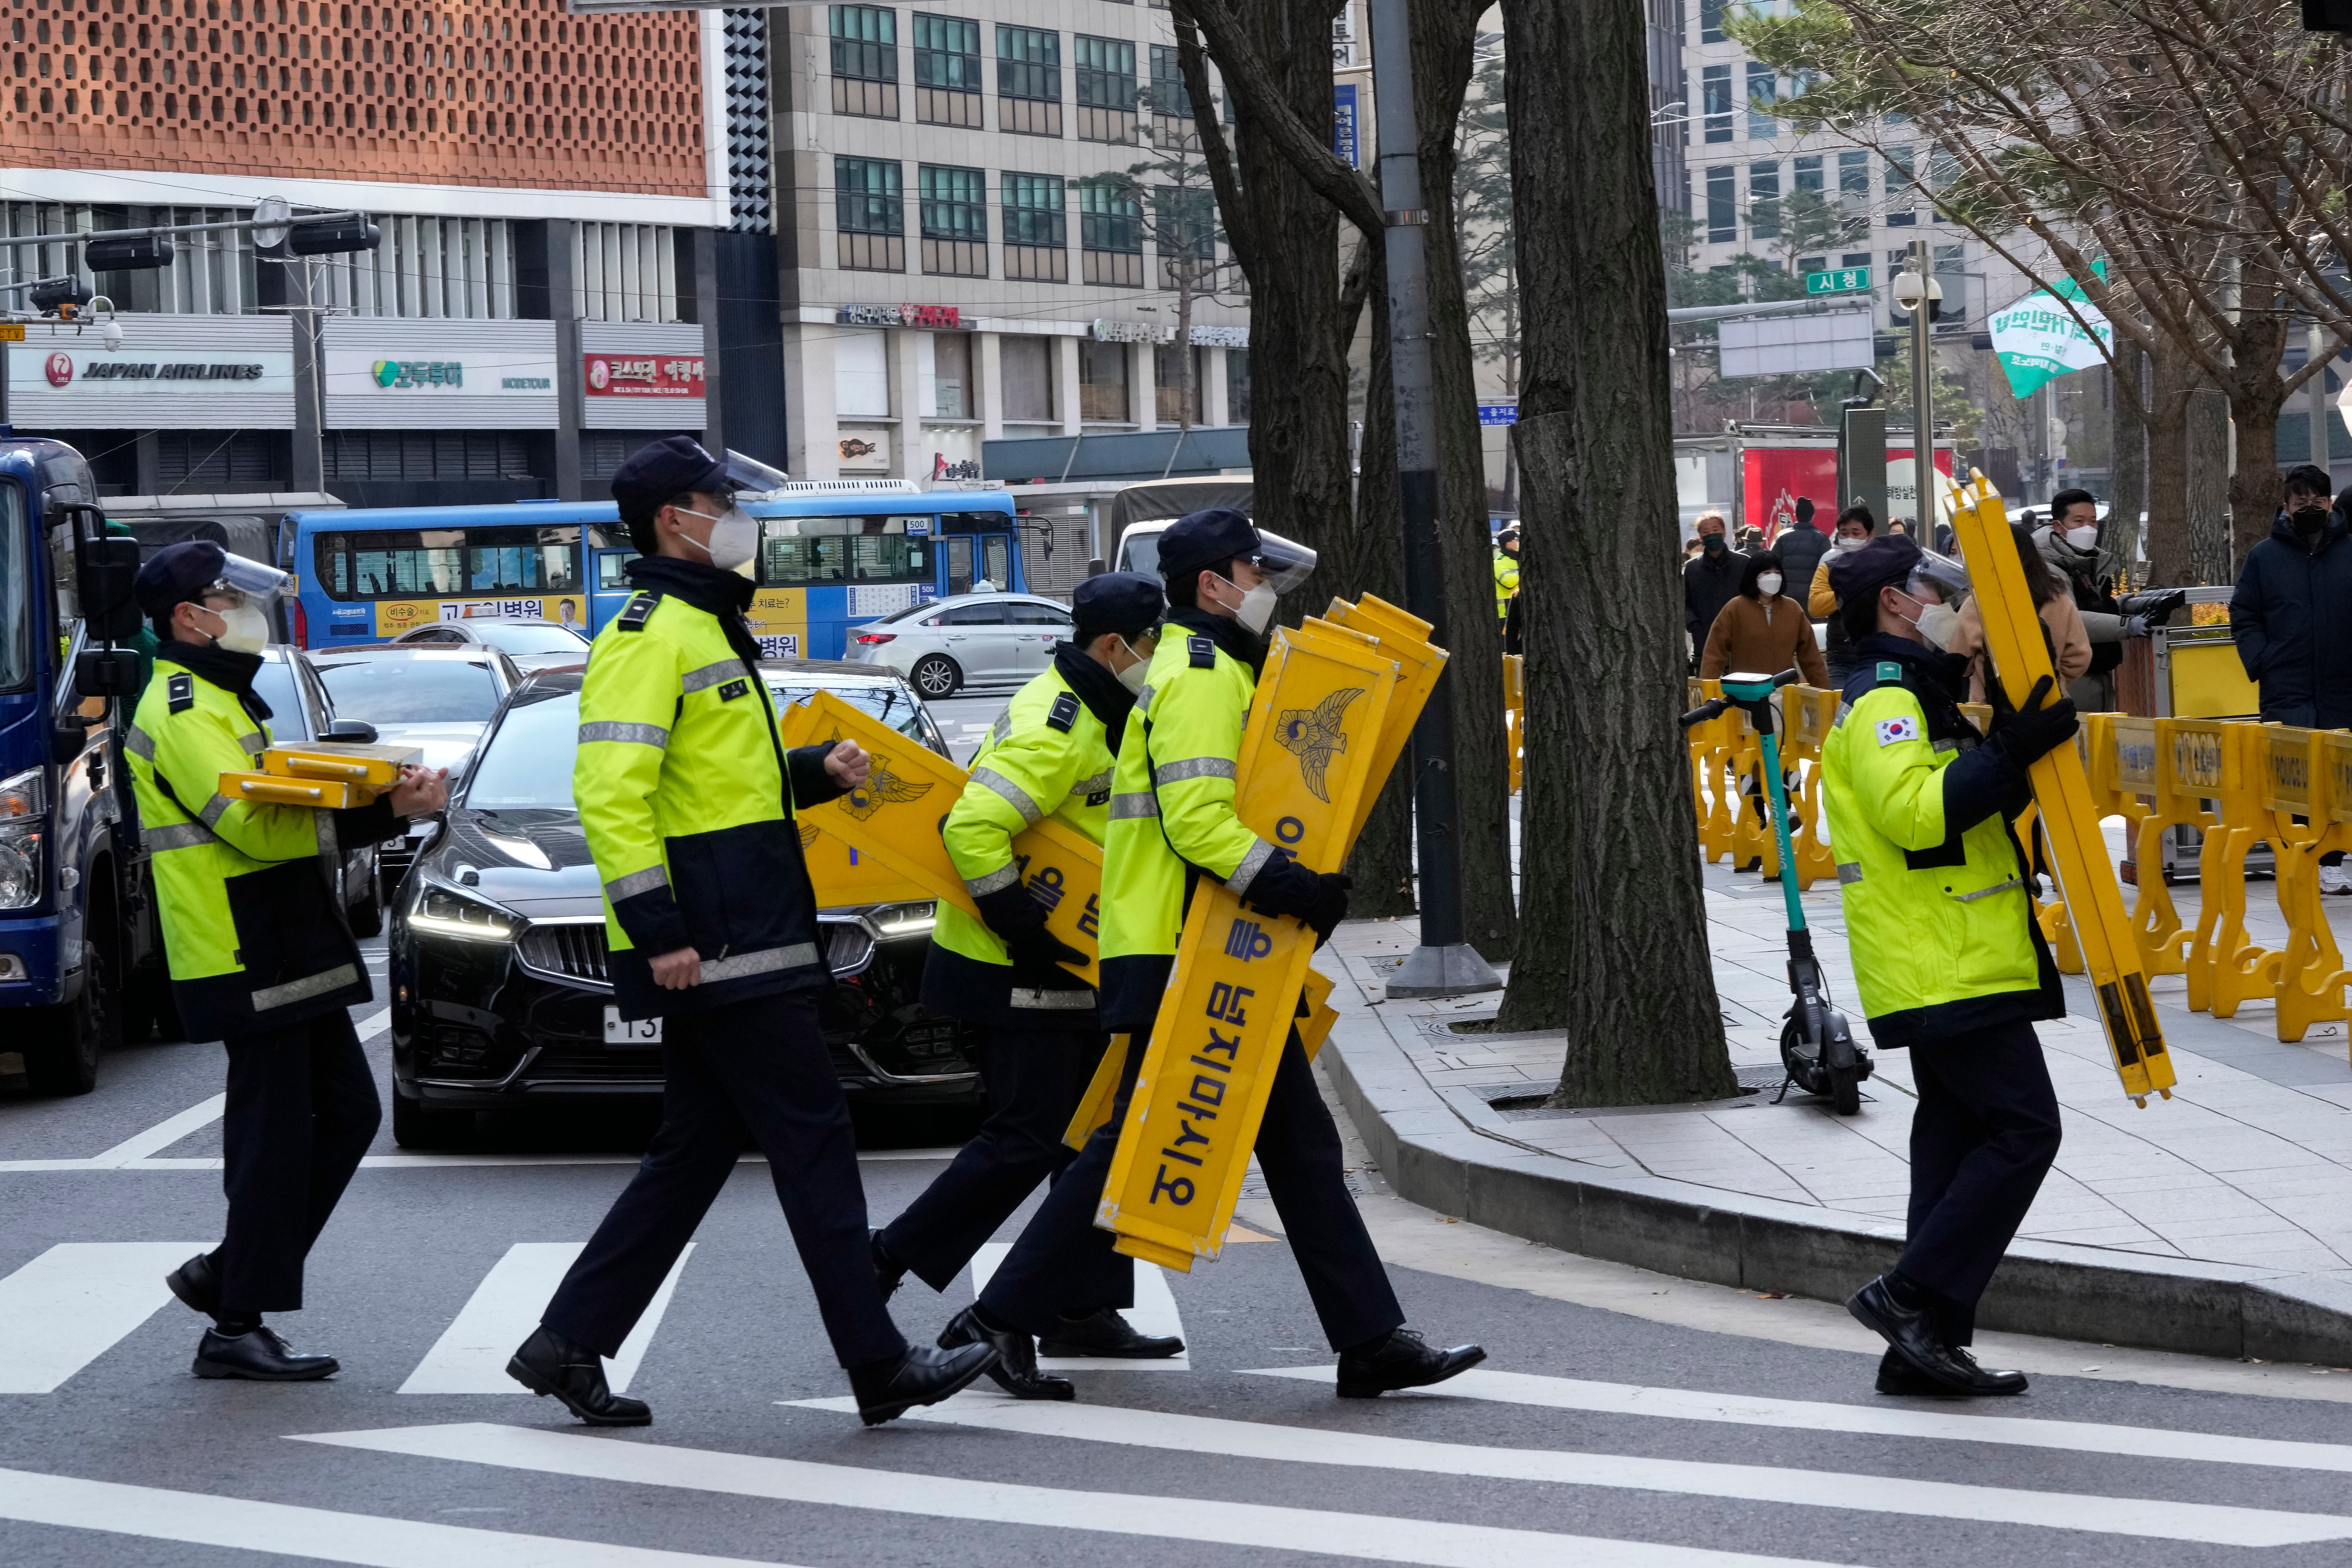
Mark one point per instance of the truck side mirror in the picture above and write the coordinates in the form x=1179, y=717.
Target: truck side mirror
x=107, y=672
x=355, y=730
x=107, y=575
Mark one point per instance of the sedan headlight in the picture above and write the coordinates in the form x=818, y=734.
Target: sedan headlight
x=905, y=920
x=440, y=909
x=23, y=798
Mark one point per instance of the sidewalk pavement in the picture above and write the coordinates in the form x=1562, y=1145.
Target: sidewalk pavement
x=2217, y=1221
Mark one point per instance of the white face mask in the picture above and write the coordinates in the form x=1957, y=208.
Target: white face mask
x=1937, y=623
x=244, y=629
x=1844, y=543
x=1255, y=611
x=1768, y=584
x=2086, y=538
x=734, y=538
x=1136, y=674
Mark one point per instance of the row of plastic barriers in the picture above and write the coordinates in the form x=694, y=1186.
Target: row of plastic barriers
x=2238, y=784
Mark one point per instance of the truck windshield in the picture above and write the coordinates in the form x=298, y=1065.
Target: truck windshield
x=15, y=591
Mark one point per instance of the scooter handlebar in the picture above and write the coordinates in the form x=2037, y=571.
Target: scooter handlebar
x=1706, y=711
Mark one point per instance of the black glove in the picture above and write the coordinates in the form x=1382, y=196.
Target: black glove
x=1317, y=900
x=2035, y=730
x=1330, y=905
x=1019, y=922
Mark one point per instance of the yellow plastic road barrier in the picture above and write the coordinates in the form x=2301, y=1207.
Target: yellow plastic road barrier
x=1710, y=744
x=2078, y=850
x=1807, y=714
x=2148, y=794
x=1232, y=999
x=2227, y=763
x=329, y=774
x=895, y=818
x=842, y=876
x=2311, y=979
x=1403, y=637
x=1515, y=713
x=1752, y=838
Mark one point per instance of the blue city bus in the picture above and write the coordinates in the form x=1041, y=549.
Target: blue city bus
x=832, y=554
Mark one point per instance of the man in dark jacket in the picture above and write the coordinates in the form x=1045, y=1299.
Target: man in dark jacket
x=2294, y=587
x=1709, y=581
x=1800, y=547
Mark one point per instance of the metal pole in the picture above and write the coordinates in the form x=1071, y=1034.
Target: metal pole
x=1923, y=406
x=2315, y=346
x=1443, y=964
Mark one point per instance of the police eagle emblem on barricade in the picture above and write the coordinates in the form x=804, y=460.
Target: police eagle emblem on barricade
x=882, y=787
x=1314, y=735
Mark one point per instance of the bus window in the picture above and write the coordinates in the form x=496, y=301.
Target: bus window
x=890, y=558
x=613, y=570
x=958, y=554
x=522, y=561
x=401, y=563
x=996, y=552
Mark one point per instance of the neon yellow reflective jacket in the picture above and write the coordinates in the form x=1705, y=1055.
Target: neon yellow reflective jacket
x=1932, y=881
x=248, y=893
x=1171, y=806
x=1507, y=581
x=1050, y=754
x=680, y=779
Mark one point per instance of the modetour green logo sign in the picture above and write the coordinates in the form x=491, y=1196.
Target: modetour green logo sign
x=405, y=376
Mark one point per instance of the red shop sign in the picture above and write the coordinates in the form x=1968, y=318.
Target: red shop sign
x=645, y=376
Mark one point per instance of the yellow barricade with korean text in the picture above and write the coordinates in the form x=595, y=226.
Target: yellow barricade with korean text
x=1807, y=715
x=2225, y=763
x=2049, y=915
x=1713, y=794
x=2299, y=780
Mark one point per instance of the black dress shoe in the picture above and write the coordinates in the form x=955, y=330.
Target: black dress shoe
x=548, y=1363
x=1985, y=1379
x=258, y=1355
x=1910, y=1335
x=1896, y=1377
x=1103, y=1332
x=198, y=1284
x=923, y=1377
x=1015, y=1368
x=1402, y=1360
x=889, y=1272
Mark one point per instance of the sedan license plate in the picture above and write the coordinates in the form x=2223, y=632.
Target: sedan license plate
x=620, y=1031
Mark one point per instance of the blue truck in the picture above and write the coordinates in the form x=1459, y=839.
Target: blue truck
x=81, y=966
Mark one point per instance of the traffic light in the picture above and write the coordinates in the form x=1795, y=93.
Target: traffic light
x=333, y=238
x=138, y=253
x=63, y=295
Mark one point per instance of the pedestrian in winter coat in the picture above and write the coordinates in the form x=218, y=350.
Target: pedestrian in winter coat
x=1709, y=579
x=1855, y=528
x=2291, y=614
x=1762, y=631
x=1802, y=547
x=2069, y=643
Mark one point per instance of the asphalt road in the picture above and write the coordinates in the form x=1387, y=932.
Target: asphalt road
x=1624, y=1418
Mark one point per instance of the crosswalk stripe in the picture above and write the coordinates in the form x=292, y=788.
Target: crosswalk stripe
x=1746, y=1410
x=1199, y=1521
x=1154, y=1312
x=470, y=1356
x=163, y=1134
x=241, y=1524
x=2217, y=1524
x=84, y=1297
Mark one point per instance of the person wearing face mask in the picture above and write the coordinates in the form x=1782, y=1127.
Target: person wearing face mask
x=1855, y=528
x=2291, y=617
x=1762, y=629
x=1050, y=756
x=1948, y=961
x=2069, y=544
x=1172, y=823
x=1709, y=581
x=688, y=800
x=2062, y=622
x=261, y=956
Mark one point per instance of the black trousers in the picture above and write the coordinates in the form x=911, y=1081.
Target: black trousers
x=1034, y=1079
x=302, y=1110
x=1984, y=1135
x=760, y=1065
x=1298, y=1150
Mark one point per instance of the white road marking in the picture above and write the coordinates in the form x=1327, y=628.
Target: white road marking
x=1201, y=1521
x=368, y=1027
x=163, y=1135
x=241, y=1524
x=77, y=1300
x=1154, y=1312
x=2214, y=1524
x=1804, y=1414
x=471, y=1355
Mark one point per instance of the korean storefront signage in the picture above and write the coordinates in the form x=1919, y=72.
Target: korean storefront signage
x=1134, y=332
x=643, y=375
x=947, y=316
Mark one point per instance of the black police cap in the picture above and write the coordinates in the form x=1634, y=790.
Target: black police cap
x=660, y=470
x=176, y=573
x=1888, y=558
x=1204, y=541
x=1121, y=602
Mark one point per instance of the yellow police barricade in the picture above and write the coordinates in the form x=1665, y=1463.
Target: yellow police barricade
x=2147, y=794
x=2311, y=979
x=1515, y=713
x=843, y=876
x=1807, y=713
x=2077, y=848
x=2050, y=914
x=1302, y=777
x=895, y=818
x=1752, y=838
x=1705, y=744
x=330, y=775
x=2226, y=764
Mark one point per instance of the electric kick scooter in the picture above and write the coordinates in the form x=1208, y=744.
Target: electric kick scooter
x=1817, y=1049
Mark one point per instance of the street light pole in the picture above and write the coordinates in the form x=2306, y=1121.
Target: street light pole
x=1922, y=398
x=1443, y=964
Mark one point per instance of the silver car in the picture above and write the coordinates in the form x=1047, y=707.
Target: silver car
x=532, y=644
x=971, y=639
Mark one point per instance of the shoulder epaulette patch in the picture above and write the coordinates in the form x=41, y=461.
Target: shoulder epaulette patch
x=182, y=691
x=1064, y=713
x=1203, y=651
x=1889, y=672
x=640, y=609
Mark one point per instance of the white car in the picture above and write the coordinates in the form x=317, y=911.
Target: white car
x=971, y=639
x=532, y=644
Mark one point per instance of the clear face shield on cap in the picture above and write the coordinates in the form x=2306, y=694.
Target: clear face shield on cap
x=246, y=585
x=1282, y=565
x=1936, y=584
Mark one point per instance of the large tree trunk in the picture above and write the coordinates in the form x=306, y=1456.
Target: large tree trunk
x=1613, y=947
x=2258, y=393
x=2171, y=374
x=2209, y=483
x=2127, y=463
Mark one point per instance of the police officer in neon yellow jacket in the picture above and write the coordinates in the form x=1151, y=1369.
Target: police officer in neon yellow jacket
x=261, y=956
x=1172, y=824
x=1946, y=957
x=1050, y=756
x=686, y=796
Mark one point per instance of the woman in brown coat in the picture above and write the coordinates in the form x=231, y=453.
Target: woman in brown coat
x=1761, y=631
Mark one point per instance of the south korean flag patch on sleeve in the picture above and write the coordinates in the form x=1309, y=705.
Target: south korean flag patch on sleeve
x=1890, y=731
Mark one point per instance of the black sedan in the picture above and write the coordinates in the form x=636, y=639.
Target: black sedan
x=499, y=997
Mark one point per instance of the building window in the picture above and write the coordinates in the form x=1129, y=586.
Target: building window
x=1102, y=381
x=1763, y=89
x=1710, y=21
x=1029, y=81
x=1809, y=174
x=954, y=215
x=871, y=213
x=1105, y=87
x=1722, y=206
x=1764, y=201
x=1025, y=371
x=1853, y=192
x=865, y=61
x=946, y=70
x=1184, y=228
x=1714, y=98
x=1172, y=103
x=1110, y=232
x=1952, y=272
x=1036, y=227
x=1899, y=211
x=951, y=395
x=1170, y=365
